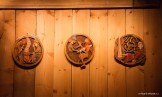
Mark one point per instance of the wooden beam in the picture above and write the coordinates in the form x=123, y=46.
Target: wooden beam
x=64, y=4
x=146, y=3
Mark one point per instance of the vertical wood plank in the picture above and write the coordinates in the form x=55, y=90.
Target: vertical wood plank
x=98, y=66
x=153, y=40
x=116, y=71
x=160, y=78
x=7, y=38
x=134, y=22
x=44, y=71
x=62, y=68
x=134, y=75
x=24, y=79
x=80, y=77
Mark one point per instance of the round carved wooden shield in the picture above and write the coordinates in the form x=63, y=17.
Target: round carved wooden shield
x=27, y=51
x=79, y=49
x=129, y=50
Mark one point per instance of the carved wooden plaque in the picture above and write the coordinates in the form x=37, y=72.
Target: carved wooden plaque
x=27, y=51
x=129, y=50
x=79, y=50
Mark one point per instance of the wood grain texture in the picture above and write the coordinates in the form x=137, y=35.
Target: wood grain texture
x=62, y=68
x=103, y=77
x=80, y=88
x=134, y=75
x=116, y=72
x=60, y=4
x=98, y=66
x=160, y=76
x=44, y=71
x=146, y=3
x=7, y=38
x=152, y=38
x=24, y=79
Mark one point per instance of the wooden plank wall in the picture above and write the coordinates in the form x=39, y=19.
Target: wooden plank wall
x=103, y=77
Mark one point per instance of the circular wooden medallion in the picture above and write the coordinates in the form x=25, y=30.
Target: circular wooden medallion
x=129, y=50
x=27, y=51
x=79, y=49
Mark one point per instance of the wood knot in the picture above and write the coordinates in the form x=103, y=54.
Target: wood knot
x=108, y=73
x=69, y=16
x=147, y=33
x=1, y=34
x=65, y=92
x=76, y=11
x=6, y=21
x=130, y=12
x=54, y=91
x=51, y=12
